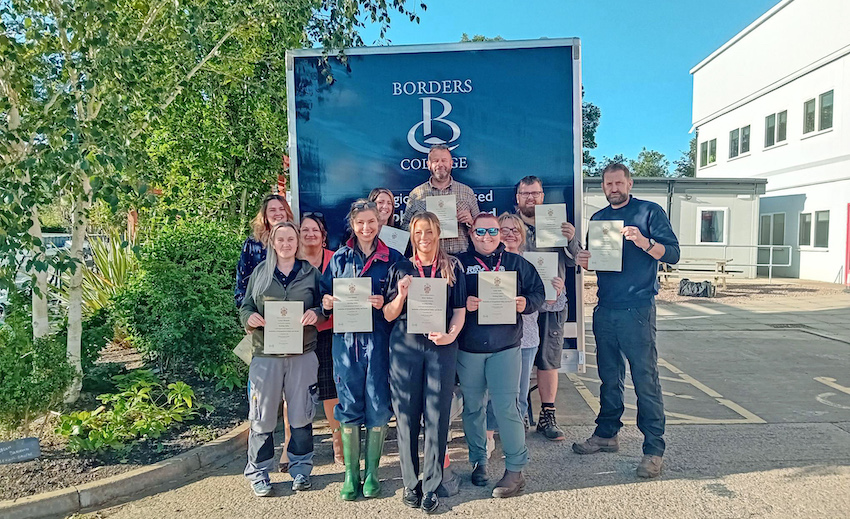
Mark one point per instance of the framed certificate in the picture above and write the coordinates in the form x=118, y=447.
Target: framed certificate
x=605, y=244
x=426, y=305
x=497, y=291
x=283, y=333
x=394, y=238
x=546, y=264
x=445, y=207
x=547, y=223
x=352, y=309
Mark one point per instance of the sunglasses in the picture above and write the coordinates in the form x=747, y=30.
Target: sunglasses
x=365, y=205
x=313, y=214
x=481, y=231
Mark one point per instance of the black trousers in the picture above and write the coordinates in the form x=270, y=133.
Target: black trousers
x=422, y=379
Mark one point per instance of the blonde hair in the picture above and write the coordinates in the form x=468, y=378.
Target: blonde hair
x=260, y=225
x=445, y=262
x=523, y=230
x=264, y=273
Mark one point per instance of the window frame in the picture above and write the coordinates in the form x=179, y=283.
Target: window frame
x=738, y=137
x=815, y=230
x=777, y=124
x=800, y=230
x=725, y=236
x=707, y=153
x=820, y=114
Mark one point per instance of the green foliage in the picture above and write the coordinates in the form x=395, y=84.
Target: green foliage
x=605, y=162
x=142, y=408
x=650, y=163
x=179, y=306
x=33, y=376
x=686, y=165
x=229, y=374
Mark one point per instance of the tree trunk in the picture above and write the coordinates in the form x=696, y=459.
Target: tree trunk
x=75, y=290
x=40, y=321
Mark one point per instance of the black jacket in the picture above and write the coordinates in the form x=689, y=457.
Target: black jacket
x=492, y=338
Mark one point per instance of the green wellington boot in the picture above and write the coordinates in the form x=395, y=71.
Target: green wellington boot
x=351, y=453
x=374, y=446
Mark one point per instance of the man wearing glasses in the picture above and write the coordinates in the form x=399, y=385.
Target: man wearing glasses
x=529, y=193
x=442, y=183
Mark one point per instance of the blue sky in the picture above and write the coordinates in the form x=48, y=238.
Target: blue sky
x=635, y=54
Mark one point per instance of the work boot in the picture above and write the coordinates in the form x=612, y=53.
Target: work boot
x=479, y=475
x=339, y=458
x=511, y=484
x=548, y=426
x=649, y=466
x=351, y=452
x=374, y=448
x=595, y=444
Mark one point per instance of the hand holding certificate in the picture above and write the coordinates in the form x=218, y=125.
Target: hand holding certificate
x=445, y=207
x=352, y=309
x=605, y=244
x=497, y=291
x=426, y=305
x=546, y=264
x=394, y=238
x=283, y=333
x=547, y=222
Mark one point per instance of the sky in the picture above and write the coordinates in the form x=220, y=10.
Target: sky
x=636, y=55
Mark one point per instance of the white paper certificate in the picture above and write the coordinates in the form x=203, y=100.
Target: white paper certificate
x=426, y=305
x=546, y=264
x=445, y=207
x=283, y=333
x=547, y=222
x=352, y=310
x=605, y=244
x=394, y=238
x=497, y=291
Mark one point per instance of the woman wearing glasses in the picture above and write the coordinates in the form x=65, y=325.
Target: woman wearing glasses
x=423, y=366
x=360, y=359
x=314, y=239
x=490, y=361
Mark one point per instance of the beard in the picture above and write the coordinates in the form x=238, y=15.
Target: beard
x=617, y=198
x=527, y=211
x=440, y=174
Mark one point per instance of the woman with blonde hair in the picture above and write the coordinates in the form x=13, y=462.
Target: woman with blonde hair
x=423, y=366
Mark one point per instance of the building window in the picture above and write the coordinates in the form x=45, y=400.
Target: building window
x=739, y=141
x=822, y=229
x=708, y=153
x=805, y=229
x=809, y=116
x=825, y=111
x=775, y=128
x=818, y=118
x=712, y=225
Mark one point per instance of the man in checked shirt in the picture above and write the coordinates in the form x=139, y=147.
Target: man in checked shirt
x=442, y=183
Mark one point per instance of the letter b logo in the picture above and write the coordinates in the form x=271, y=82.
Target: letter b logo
x=427, y=125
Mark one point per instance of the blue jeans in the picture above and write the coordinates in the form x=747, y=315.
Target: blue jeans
x=622, y=335
x=528, y=356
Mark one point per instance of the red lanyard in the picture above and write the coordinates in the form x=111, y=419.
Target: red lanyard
x=498, y=264
x=418, y=263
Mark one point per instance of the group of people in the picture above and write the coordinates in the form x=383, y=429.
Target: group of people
x=366, y=378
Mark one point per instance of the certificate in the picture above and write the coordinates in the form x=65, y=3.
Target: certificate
x=497, y=291
x=547, y=222
x=283, y=333
x=445, y=207
x=546, y=264
x=352, y=309
x=605, y=244
x=426, y=305
x=394, y=238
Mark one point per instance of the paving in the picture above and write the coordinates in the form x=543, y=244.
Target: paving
x=757, y=393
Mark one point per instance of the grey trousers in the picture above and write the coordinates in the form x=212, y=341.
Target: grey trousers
x=270, y=379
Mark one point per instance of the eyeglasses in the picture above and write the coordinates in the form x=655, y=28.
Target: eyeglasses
x=529, y=194
x=510, y=230
x=481, y=231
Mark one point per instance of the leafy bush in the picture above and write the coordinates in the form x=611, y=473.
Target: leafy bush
x=141, y=409
x=33, y=376
x=179, y=305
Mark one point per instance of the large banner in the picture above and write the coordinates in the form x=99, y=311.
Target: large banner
x=505, y=109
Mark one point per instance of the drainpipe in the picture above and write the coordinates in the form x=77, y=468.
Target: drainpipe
x=847, y=256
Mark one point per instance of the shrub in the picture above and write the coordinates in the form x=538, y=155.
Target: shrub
x=179, y=305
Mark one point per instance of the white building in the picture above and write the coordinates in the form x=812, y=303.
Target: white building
x=774, y=103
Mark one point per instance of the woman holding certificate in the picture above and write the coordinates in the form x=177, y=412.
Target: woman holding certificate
x=281, y=310
x=352, y=287
x=426, y=299
x=501, y=285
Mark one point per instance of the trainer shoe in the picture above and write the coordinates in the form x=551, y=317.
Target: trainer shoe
x=511, y=484
x=479, y=475
x=548, y=427
x=262, y=488
x=301, y=482
x=649, y=466
x=596, y=444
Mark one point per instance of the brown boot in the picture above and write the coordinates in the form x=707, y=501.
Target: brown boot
x=649, y=466
x=596, y=444
x=511, y=484
x=337, y=443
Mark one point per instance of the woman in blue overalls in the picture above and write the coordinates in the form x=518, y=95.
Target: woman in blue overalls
x=361, y=360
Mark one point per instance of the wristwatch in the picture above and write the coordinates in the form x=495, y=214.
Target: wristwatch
x=651, y=245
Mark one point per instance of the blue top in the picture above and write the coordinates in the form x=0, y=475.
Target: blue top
x=637, y=285
x=253, y=252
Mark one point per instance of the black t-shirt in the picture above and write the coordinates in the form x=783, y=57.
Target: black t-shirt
x=456, y=297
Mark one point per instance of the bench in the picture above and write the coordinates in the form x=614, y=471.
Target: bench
x=710, y=268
